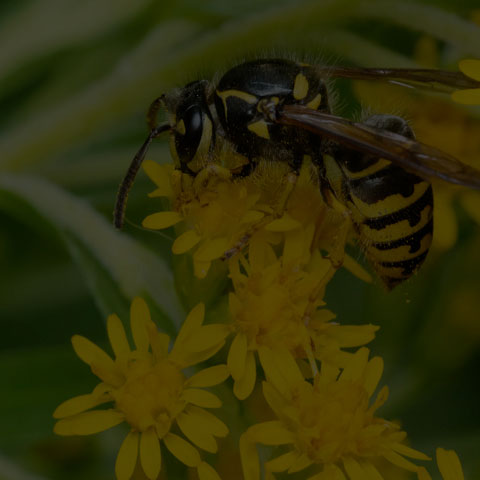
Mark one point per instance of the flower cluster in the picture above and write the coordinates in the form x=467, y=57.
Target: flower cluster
x=281, y=244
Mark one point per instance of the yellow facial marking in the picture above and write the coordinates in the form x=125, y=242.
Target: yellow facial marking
x=260, y=129
x=201, y=155
x=315, y=102
x=300, y=87
x=180, y=127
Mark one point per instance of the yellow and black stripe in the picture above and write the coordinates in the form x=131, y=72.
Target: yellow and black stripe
x=392, y=210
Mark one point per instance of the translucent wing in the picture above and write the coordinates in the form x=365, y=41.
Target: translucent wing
x=414, y=156
x=436, y=80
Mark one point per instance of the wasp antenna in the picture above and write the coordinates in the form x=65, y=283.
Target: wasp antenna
x=126, y=185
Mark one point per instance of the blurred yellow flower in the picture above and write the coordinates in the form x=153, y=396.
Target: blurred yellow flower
x=470, y=96
x=329, y=426
x=150, y=392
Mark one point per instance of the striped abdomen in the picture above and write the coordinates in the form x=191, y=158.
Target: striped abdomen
x=392, y=211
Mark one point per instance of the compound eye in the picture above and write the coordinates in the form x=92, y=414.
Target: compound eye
x=190, y=127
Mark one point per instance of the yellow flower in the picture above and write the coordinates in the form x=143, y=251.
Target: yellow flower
x=448, y=464
x=470, y=96
x=329, y=426
x=150, y=392
x=276, y=304
x=214, y=213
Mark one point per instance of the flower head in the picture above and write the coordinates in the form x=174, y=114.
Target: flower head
x=470, y=96
x=150, y=392
x=329, y=425
x=212, y=212
x=275, y=304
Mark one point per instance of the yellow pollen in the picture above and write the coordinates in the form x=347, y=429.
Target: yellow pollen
x=151, y=395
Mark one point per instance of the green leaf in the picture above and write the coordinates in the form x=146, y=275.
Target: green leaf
x=116, y=267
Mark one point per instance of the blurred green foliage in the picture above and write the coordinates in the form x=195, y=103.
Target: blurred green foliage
x=75, y=81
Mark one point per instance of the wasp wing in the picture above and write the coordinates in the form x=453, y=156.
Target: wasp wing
x=414, y=156
x=436, y=80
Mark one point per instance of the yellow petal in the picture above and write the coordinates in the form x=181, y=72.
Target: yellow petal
x=356, y=269
x=191, y=429
x=288, y=366
x=150, y=454
x=349, y=336
x=200, y=269
x=80, y=404
x=282, y=463
x=354, y=470
x=301, y=462
x=373, y=373
x=356, y=366
x=185, y=242
x=399, y=461
x=160, y=175
x=237, y=356
x=470, y=96
x=409, y=452
x=280, y=368
x=209, y=377
x=249, y=458
x=207, y=472
x=117, y=337
x=272, y=372
x=88, y=423
x=283, y=224
x=330, y=472
x=207, y=421
x=183, y=450
x=192, y=323
x=159, y=343
x=127, y=457
x=205, y=338
x=470, y=67
x=100, y=363
x=422, y=474
x=211, y=250
x=371, y=472
x=201, y=398
x=272, y=432
x=449, y=465
x=193, y=358
x=252, y=216
x=243, y=387
x=161, y=220
x=139, y=319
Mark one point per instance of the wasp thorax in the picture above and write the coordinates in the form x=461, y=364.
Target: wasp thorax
x=192, y=134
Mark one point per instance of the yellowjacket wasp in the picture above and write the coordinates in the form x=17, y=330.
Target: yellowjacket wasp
x=279, y=109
